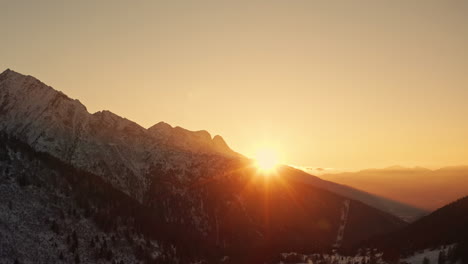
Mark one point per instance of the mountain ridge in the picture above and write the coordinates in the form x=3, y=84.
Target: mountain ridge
x=217, y=200
x=52, y=122
x=402, y=210
x=414, y=186
x=106, y=143
x=230, y=213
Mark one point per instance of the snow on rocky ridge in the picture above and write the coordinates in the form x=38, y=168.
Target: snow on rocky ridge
x=102, y=143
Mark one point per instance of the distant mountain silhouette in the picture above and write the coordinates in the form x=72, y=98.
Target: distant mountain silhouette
x=403, y=211
x=419, y=187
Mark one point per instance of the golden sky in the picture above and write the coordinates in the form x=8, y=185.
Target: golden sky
x=340, y=84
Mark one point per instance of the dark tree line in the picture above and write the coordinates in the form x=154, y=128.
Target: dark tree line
x=108, y=207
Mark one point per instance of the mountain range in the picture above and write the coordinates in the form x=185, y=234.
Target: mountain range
x=418, y=187
x=99, y=188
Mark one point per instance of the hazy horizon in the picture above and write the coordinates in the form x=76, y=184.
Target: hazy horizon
x=328, y=84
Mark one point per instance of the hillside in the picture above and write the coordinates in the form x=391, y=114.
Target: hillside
x=171, y=193
x=401, y=210
x=445, y=226
x=239, y=214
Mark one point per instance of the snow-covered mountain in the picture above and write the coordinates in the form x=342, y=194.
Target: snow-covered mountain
x=194, y=141
x=161, y=186
x=53, y=213
x=103, y=143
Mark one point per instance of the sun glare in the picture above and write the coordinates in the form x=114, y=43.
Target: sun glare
x=266, y=160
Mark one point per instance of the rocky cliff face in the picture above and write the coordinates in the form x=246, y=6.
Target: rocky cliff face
x=190, y=141
x=102, y=143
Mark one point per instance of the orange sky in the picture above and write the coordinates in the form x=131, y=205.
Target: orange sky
x=341, y=84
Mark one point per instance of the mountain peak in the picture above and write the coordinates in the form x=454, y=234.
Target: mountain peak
x=5, y=71
x=202, y=135
x=219, y=142
x=103, y=142
x=194, y=141
x=160, y=125
x=8, y=74
x=395, y=167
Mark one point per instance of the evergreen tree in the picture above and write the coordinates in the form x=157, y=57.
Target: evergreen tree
x=449, y=255
x=109, y=255
x=75, y=238
x=373, y=260
x=441, y=259
x=460, y=252
x=23, y=180
x=54, y=227
x=425, y=261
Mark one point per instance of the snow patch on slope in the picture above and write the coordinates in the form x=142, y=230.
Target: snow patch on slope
x=431, y=254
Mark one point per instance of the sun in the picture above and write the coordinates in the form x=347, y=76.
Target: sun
x=266, y=159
